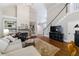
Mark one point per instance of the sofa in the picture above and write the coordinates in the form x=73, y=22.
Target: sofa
x=10, y=46
x=28, y=51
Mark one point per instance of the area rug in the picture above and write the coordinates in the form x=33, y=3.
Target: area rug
x=44, y=48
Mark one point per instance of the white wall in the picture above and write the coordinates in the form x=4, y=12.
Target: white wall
x=33, y=14
x=1, y=22
x=33, y=17
x=71, y=30
x=70, y=17
x=10, y=11
x=40, y=15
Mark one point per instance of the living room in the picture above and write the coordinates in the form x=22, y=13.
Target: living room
x=39, y=29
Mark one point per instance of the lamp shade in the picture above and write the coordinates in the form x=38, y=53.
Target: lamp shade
x=6, y=32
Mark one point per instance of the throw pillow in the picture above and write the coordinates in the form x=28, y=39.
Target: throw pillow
x=6, y=40
x=10, y=38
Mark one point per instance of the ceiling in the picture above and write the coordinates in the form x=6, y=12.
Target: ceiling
x=2, y=5
x=53, y=5
x=49, y=4
x=14, y=4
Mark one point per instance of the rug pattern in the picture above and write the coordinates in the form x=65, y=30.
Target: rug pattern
x=44, y=48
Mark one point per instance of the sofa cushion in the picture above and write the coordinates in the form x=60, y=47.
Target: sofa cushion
x=6, y=40
x=10, y=38
x=3, y=45
x=13, y=46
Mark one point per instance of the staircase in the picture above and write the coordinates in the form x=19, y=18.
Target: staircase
x=72, y=19
x=54, y=20
x=67, y=20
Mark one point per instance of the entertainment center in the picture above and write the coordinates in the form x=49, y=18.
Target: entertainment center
x=56, y=33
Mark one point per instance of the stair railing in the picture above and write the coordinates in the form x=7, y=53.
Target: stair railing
x=55, y=17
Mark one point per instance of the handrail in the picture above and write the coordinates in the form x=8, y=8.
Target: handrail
x=55, y=17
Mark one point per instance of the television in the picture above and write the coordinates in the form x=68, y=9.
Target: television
x=55, y=29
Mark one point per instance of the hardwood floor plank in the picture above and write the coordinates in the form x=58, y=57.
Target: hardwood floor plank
x=61, y=45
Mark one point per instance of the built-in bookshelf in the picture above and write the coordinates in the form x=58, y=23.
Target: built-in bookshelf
x=10, y=23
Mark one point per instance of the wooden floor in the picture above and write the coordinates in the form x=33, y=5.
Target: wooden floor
x=62, y=45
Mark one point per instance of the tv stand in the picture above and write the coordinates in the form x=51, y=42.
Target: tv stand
x=56, y=36
x=56, y=33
